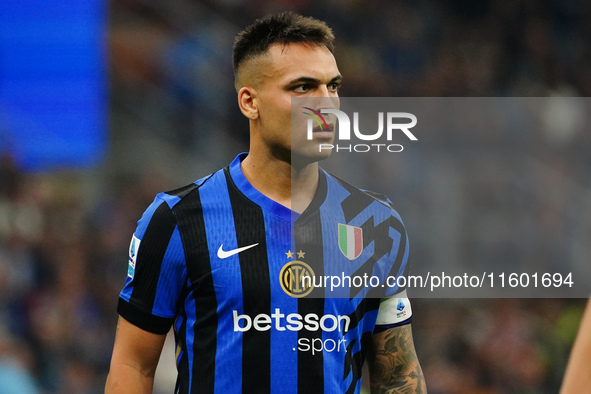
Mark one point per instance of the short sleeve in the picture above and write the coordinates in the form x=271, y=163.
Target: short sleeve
x=156, y=271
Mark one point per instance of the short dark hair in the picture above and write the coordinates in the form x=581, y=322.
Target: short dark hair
x=283, y=28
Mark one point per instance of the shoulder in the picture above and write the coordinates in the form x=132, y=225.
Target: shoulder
x=364, y=196
x=188, y=192
x=166, y=204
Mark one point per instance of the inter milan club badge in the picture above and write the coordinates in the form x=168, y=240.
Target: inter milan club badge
x=350, y=241
x=296, y=277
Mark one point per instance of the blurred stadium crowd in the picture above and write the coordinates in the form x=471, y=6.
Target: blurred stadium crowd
x=64, y=235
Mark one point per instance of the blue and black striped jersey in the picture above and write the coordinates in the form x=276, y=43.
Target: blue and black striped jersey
x=224, y=265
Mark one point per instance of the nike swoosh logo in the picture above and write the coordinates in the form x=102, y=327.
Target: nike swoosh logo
x=223, y=254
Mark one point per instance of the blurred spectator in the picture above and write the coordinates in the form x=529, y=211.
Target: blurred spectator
x=15, y=366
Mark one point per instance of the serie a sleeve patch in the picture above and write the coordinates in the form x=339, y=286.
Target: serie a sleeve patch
x=134, y=245
x=394, y=310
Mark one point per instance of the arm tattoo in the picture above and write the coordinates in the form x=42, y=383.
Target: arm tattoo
x=394, y=367
x=117, y=329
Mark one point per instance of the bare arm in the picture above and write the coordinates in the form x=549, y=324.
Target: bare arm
x=393, y=364
x=135, y=357
x=578, y=371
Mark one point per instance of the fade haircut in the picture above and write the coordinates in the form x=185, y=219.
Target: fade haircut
x=282, y=28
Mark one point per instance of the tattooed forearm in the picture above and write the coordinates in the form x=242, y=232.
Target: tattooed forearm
x=394, y=367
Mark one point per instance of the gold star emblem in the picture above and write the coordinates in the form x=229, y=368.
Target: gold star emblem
x=301, y=254
x=289, y=254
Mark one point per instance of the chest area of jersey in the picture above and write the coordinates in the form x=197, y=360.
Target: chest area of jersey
x=258, y=255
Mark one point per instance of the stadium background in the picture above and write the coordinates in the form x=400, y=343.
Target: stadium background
x=169, y=116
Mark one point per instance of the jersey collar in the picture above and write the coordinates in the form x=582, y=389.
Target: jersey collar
x=268, y=204
x=253, y=194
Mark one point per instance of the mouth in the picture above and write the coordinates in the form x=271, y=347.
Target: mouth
x=324, y=129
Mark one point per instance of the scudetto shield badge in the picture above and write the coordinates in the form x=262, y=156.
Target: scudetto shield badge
x=350, y=241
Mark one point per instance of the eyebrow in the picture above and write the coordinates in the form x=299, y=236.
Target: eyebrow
x=311, y=80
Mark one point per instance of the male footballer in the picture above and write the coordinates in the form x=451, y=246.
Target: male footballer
x=216, y=260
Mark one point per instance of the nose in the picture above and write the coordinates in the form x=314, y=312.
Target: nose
x=327, y=102
x=323, y=91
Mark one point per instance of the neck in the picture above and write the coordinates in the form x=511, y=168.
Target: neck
x=280, y=181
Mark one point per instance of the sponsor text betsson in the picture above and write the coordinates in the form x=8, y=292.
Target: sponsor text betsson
x=296, y=322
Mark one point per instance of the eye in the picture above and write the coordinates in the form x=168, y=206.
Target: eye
x=334, y=87
x=301, y=88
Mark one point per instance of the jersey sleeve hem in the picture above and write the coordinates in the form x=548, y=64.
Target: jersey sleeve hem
x=383, y=327
x=142, y=319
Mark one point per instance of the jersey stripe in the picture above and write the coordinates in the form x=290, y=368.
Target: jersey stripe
x=356, y=360
x=256, y=291
x=308, y=235
x=193, y=232
x=284, y=355
x=221, y=233
x=183, y=377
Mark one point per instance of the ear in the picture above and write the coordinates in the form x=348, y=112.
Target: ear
x=247, y=101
